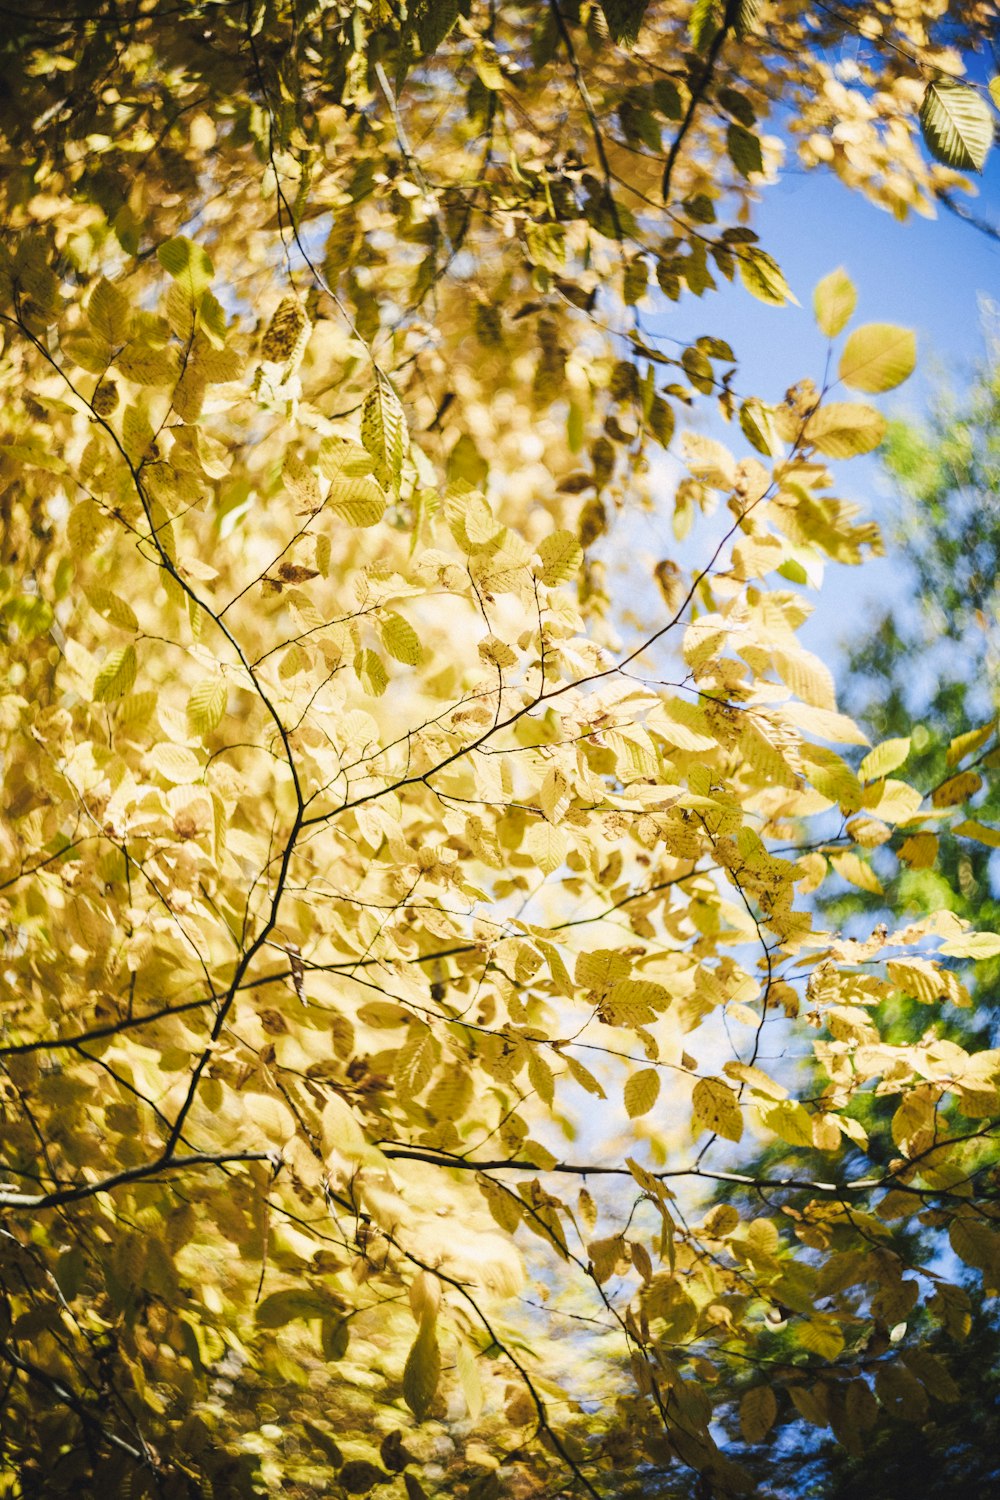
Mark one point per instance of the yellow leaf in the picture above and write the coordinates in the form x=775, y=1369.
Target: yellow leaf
x=116, y=675
x=554, y=795
x=919, y=851
x=370, y=671
x=919, y=978
x=273, y=1117
x=641, y=1092
x=109, y=313
x=561, y=556
x=682, y=724
x=716, y=1108
x=112, y=608
x=354, y=495
x=898, y=802
x=758, y=1409
x=415, y=1062
x=977, y=1244
x=877, y=357
x=964, y=744
x=842, y=429
x=820, y=1336
x=957, y=789
x=634, y=1002
x=827, y=725
x=808, y=677
x=583, y=1076
x=468, y=1374
x=422, y=1372
x=383, y=432
x=789, y=1120
x=980, y=832
x=834, y=301
x=176, y=763
x=496, y=652
x=762, y=276
x=341, y=1133
x=709, y=460
x=956, y=124
x=886, y=757
x=977, y=945
x=852, y=868
x=547, y=845
x=206, y=705
x=400, y=639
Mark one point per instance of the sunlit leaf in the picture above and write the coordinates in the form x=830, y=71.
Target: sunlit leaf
x=957, y=125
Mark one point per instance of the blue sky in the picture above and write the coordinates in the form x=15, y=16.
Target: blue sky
x=925, y=274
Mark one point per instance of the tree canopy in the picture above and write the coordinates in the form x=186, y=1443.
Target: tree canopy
x=413, y=901
x=923, y=667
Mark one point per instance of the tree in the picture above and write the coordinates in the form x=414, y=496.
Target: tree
x=946, y=532
x=375, y=891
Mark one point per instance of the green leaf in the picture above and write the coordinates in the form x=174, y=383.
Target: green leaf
x=834, y=301
x=188, y=264
x=422, y=1372
x=116, y=675
x=667, y=98
x=744, y=150
x=843, y=429
x=706, y=18
x=624, y=18
x=641, y=1092
x=995, y=91
x=878, y=357
x=957, y=125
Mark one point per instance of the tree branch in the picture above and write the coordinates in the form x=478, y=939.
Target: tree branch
x=853, y=1187
x=165, y=1163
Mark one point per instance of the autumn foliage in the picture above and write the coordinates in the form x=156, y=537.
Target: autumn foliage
x=410, y=894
